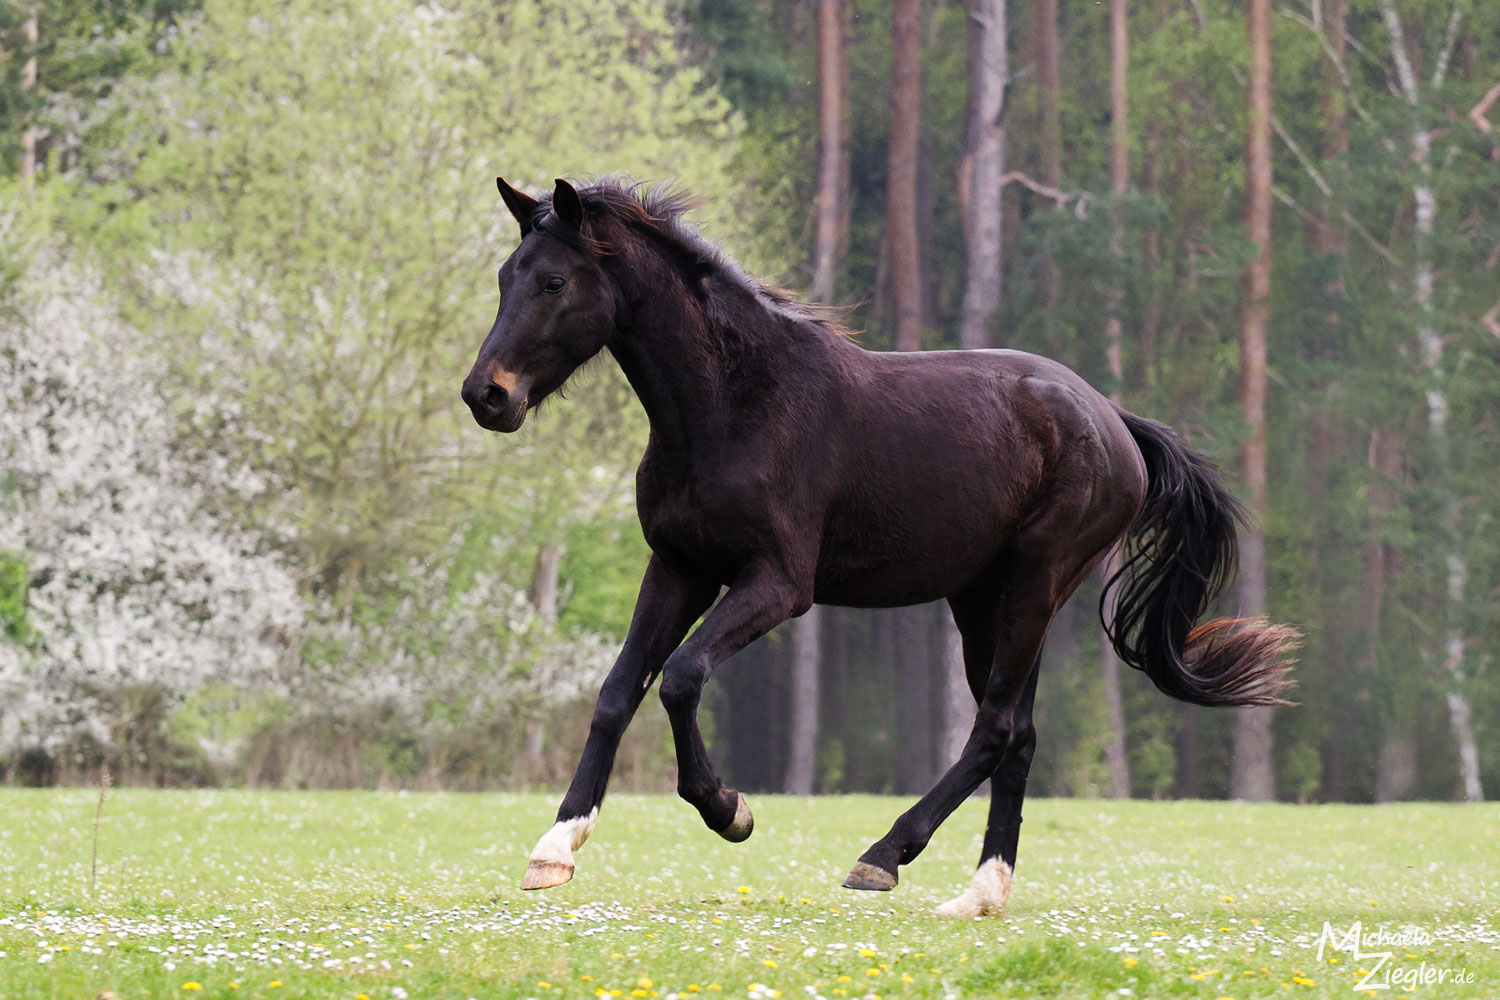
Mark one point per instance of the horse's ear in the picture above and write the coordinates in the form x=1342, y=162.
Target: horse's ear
x=522, y=206
x=567, y=204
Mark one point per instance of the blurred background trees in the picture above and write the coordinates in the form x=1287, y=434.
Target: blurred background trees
x=247, y=532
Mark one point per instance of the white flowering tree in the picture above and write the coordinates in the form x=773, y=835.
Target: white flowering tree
x=133, y=580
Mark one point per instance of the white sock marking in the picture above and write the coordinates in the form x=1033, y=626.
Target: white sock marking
x=559, y=843
x=986, y=895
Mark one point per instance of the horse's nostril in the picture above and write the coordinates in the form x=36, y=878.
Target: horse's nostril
x=494, y=398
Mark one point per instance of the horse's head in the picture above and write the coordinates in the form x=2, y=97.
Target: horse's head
x=557, y=310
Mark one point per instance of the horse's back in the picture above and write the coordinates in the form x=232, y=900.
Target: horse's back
x=944, y=458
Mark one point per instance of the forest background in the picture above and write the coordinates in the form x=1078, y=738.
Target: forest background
x=248, y=535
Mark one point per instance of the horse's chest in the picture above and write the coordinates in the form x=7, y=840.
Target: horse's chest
x=712, y=528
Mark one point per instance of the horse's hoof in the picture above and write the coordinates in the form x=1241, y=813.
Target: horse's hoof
x=986, y=895
x=965, y=906
x=864, y=876
x=546, y=874
x=743, y=823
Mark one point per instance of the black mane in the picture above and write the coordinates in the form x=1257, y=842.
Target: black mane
x=659, y=212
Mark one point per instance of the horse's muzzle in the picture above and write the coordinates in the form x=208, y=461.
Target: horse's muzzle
x=494, y=408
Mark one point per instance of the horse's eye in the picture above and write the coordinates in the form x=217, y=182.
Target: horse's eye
x=553, y=286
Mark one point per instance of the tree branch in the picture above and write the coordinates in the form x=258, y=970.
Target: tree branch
x=1449, y=41
x=1046, y=191
x=1404, y=71
x=1338, y=65
x=1480, y=111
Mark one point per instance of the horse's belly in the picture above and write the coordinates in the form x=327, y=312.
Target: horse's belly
x=909, y=563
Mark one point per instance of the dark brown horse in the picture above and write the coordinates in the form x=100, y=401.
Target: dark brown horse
x=789, y=465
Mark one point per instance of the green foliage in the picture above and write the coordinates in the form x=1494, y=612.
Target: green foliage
x=14, y=584
x=601, y=570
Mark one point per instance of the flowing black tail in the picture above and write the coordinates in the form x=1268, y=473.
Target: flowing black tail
x=1181, y=553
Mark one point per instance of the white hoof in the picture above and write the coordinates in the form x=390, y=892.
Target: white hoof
x=551, y=861
x=986, y=895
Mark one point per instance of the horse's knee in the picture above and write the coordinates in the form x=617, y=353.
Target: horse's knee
x=612, y=711
x=681, y=685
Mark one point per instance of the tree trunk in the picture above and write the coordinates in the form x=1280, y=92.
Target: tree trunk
x=1252, y=776
x=1119, y=141
x=1431, y=344
x=904, y=266
x=982, y=165
x=1326, y=235
x=544, y=583
x=803, y=722
x=915, y=674
x=832, y=163
x=28, y=84
x=958, y=702
x=1049, y=138
x=806, y=685
x=544, y=600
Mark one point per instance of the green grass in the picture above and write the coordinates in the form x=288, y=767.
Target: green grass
x=333, y=895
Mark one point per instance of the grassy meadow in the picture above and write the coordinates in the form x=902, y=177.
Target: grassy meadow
x=387, y=895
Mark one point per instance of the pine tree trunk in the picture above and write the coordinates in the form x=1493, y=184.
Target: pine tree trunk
x=1252, y=776
x=982, y=165
x=1326, y=235
x=806, y=696
x=904, y=269
x=1049, y=139
x=916, y=662
x=28, y=84
x=806, y=679
x=833, y=169
x=544, y=600
x=1119, y=135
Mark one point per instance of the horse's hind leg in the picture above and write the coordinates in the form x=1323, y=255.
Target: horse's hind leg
x=989, y=890
x=1002, y=726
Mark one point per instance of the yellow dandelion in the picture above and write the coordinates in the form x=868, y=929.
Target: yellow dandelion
x=643, y=983
x=744, y=890
x=1228, y=899
x=693, y=987
x=866, y=953
x=845, y=979
x=907, y=979
x=190, y=985
x=1303, y=981
x=274, y=984
x=234, y=984
x=768, y=963
x=542, y=985
x=639, y=993
x=361, y=996
x=1131, y=961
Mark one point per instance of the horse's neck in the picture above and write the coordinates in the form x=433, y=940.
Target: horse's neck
x=680, y=362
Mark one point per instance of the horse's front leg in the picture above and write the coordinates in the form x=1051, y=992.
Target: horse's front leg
x=762, y=598
x=667, y=607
